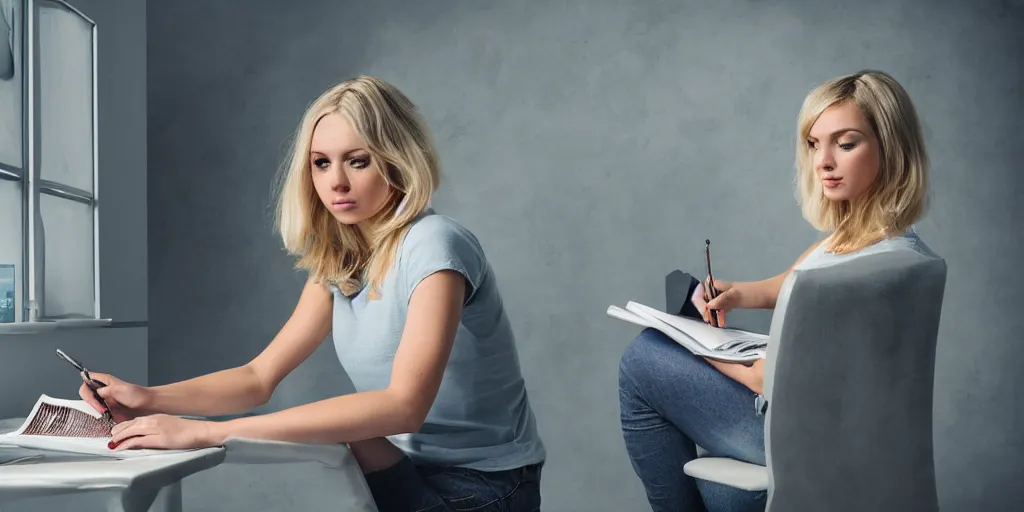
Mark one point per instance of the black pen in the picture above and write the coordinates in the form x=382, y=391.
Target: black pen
x=711, y=293
x=92, y=383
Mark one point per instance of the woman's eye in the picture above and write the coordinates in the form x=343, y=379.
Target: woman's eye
x=321, y=163
x=359, y=163
x=811, y=144
x=847, y=146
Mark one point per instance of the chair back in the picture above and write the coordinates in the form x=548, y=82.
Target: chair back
x=849, y=382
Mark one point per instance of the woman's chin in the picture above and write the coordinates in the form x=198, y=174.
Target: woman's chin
x=348, y=218
x=835, y=195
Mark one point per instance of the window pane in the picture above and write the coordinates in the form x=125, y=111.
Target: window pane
x=11, y=77
x=11, y=249
x=65, y=97
x=67, y=271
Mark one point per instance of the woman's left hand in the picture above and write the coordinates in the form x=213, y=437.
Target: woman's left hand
x=750, y=376
x=162, y=431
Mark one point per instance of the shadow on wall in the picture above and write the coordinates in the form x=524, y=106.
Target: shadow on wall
x=589, y=148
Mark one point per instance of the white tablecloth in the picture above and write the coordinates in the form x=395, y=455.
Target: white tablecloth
x=137, y=481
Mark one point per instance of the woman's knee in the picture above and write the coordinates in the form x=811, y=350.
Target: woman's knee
x=644, y=357
x=653, y=356
x=634, y=358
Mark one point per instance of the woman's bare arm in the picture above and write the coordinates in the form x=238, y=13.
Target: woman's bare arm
x=435, y=310
x=765, y=293
x=242, y=388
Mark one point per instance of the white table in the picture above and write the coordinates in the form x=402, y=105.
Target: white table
x=153, y=483
x=132, y=484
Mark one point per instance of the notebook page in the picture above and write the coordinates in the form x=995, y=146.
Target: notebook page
x=69, y=426
x=708, y=336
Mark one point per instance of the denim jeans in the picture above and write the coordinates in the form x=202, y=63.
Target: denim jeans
x=671, y=401
x=408, y=487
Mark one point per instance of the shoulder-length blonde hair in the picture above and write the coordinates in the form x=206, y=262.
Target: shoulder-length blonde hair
x=401, y=150
x=898, y=196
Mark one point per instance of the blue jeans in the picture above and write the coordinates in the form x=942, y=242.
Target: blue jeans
x=670, y=402
x=408, y=487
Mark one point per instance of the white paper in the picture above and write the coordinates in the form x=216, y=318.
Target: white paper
x=710, y=337
x=53, y=415
x=693, y=335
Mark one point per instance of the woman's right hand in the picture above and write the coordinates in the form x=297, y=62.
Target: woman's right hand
x=126, y=400
x=728, y=299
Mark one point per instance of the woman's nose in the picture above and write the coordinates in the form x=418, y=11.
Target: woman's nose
x=339, y=181
x=825, y=160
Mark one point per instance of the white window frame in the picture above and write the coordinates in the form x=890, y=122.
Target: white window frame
x=29, y=317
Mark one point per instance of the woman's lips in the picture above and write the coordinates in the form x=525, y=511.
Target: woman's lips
x=343, y=205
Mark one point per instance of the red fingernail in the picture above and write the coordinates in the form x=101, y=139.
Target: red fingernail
x=112, y=445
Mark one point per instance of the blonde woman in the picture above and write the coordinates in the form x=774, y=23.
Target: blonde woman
x=441, y=418
x=862, y=175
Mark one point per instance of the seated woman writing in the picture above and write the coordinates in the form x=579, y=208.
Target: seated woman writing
x=862, y=176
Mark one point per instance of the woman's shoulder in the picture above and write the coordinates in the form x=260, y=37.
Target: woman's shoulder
x=909, y=240
x=436, y=242
x=433, y=226
x=432, y=232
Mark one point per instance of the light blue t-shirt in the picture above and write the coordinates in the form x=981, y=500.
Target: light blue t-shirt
x=819, y=257
x=481, y=418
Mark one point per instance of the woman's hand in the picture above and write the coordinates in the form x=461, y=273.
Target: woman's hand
x=162, y=431
x=750, y=376
x=729, y=298
x=126, y=400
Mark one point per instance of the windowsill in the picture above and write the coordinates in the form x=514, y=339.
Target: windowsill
x=20, y=328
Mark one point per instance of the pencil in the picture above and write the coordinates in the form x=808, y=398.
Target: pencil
x=712, y=292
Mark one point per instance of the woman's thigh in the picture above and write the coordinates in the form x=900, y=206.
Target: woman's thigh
x=712, y=409
x=406, y=487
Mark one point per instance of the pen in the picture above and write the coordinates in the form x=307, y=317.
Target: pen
x=711, y=291
x=92, y=383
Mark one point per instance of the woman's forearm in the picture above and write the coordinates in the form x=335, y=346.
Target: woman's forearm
x=760, y=294
x=233, y=391
x=342, y=419
x=764, y=294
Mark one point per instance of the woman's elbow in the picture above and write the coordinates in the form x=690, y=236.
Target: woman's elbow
x=259, y=390
x=410, y=424
x=261, y=397
x=410, y=414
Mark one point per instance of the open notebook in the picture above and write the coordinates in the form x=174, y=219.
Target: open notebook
x=723, y=344
x=69, y=426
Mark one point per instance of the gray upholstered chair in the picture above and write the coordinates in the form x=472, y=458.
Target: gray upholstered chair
x=849, y=380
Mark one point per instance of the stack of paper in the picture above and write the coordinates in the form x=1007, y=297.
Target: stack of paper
x=69, y=426
x=723, y=344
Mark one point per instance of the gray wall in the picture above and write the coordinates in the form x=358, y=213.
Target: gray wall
x=592, y=147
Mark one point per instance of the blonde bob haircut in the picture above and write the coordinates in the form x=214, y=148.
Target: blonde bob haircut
x=898, y=196
x=401, y=150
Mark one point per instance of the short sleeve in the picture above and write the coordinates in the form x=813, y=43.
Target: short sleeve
x=437, y=243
